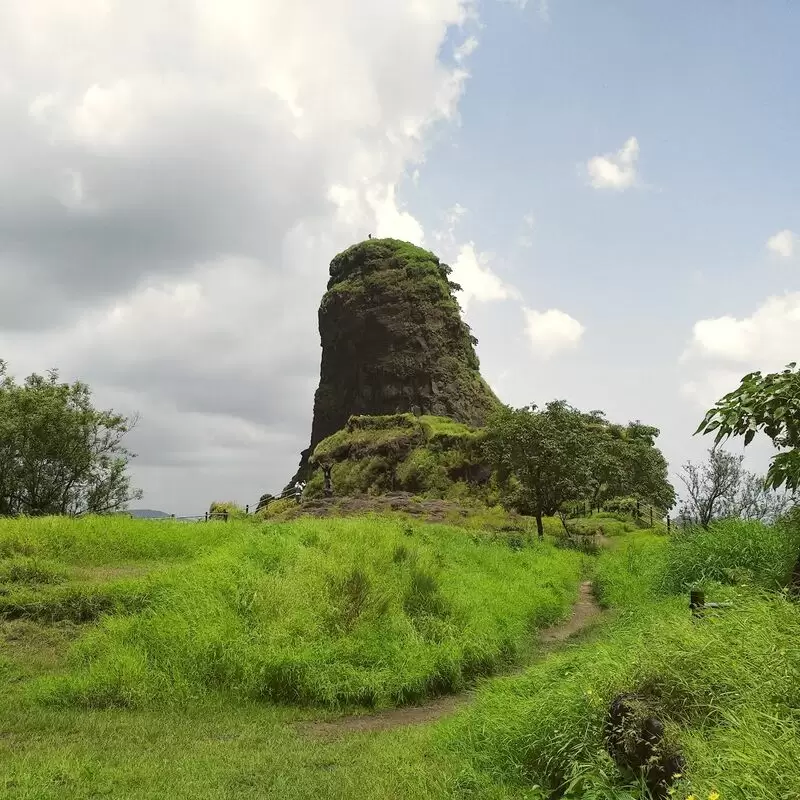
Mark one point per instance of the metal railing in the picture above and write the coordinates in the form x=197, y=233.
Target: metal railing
x=224, y=516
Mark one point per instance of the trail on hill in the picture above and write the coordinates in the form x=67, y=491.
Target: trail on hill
x=584, y=612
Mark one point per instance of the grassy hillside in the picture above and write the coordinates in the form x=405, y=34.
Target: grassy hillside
x=214, y=642
x=726, y=686
x=374, y=612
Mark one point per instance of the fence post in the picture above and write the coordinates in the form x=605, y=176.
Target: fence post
x=669, y=524
x=247, y=509
x=651, y=516
x=225, y=515
x=206, y=516
x=697, y=600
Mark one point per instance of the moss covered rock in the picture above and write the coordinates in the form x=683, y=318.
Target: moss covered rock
x=393, y=341
x=427, y=455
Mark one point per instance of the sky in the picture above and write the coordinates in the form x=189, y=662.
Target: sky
x=616, y=186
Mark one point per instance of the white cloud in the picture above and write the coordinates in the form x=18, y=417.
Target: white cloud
x=470, y=267
x=782, y=243
x=723, y=349
x=454, y=215
x=552, y=331
x=615, y=170
x=177, y=191
x=477, y=281
x=465, y=49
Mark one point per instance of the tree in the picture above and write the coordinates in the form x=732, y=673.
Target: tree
x=549, y=453
x=58, y=454
x=628, y=464
x=711, y=485
x=768, y=403
x=771, y=404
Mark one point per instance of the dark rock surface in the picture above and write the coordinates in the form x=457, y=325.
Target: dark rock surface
x=393, y=341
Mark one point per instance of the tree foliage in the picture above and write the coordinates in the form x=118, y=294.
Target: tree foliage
x=560, y=454
x=770, y=404
x=628, y=464
x=58, y=454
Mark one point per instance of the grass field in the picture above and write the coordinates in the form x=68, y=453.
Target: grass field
x=153, y=659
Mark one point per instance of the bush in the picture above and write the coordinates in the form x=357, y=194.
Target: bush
x=278, y=507
x=226, y=509
x=422, y=472
x=622, y=505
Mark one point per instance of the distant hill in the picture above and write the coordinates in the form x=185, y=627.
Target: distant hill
x=147, y=513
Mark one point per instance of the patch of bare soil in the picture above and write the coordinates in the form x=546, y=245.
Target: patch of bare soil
x=583, y=613
x=106, y=572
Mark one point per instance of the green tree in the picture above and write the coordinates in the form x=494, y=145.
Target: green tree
x=770, y=404
x=58, y=454
x=628, y=464
x=549, y=453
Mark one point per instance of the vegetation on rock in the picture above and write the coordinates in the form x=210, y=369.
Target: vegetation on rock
x=425, y=455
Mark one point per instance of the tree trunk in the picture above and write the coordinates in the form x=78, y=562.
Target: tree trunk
x=539, y=526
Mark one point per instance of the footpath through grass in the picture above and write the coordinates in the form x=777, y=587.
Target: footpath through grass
x=727, y=687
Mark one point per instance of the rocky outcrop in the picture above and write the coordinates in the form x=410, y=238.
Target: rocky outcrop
x=393, y=341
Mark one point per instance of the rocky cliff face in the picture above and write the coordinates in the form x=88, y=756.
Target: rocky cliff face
x=393, y=341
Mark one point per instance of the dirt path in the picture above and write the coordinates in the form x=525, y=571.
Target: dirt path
x=583, y=612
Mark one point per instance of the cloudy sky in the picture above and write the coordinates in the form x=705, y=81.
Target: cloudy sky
x=616, y=184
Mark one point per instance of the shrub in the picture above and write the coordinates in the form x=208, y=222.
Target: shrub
x=422, y=472
x=278, y=507
x=226, y=507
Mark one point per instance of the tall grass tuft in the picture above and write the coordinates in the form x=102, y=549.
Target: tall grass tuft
x=732, y=551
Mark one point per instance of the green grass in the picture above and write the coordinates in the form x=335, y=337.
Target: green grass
x=727, y=686
x=375, y=612
x=716, y=683
x=386, y=610
x=732, y=552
